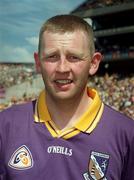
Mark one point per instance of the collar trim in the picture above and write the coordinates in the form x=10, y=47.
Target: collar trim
x=86, y=123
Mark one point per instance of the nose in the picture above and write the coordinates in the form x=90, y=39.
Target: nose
x=63, y=66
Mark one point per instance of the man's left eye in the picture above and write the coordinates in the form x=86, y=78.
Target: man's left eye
x=73, y=58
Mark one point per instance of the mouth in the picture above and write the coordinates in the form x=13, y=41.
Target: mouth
x=63, y=84
x=63, y=81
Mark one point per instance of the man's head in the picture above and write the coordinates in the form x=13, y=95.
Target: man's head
x=67, y=24
x=66, y=56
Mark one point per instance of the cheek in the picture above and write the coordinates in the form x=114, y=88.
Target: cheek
x=47, y=69
x=82, y=70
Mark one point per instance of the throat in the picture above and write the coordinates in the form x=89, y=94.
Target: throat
x=66, y=114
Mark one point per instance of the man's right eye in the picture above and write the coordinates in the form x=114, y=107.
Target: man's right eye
x=52, y=58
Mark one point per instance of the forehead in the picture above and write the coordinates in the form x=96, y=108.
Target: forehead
x=77, y=39
x=69, y=33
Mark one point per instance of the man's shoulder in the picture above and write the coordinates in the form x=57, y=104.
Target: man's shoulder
x=18, y=107
x=17, y=111
x=117, y=118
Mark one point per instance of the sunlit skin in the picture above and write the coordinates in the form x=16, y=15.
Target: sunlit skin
x=65, y=63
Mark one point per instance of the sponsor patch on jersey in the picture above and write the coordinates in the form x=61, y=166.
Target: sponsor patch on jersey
x=98, y=164
x=21, y=159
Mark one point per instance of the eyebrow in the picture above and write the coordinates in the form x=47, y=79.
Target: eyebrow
x=67, y=52
x=48, y=53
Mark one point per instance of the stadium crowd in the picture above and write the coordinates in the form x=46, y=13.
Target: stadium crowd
x=12, y=74
x=116, y=90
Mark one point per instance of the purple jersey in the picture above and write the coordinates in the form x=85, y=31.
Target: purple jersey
x=28, y=150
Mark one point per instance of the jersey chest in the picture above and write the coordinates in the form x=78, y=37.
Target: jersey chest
x=36, y=153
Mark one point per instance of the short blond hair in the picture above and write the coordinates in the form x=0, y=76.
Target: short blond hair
x=67, y=23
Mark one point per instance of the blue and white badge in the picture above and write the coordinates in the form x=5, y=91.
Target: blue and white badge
x=98, y=164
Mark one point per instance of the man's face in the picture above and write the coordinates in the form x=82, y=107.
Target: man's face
x=64, y=64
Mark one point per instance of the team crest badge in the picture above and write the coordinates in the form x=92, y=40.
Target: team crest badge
x=98, y=164
x=21, y=159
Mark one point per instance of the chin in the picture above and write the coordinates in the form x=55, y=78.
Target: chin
x=63, y=96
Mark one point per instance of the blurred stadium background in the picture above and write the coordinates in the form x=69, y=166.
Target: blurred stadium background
x=112, y=21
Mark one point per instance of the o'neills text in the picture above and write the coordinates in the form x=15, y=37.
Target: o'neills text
x=59, y=150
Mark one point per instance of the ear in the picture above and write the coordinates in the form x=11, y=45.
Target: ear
x=37, y=62
x=96, y=59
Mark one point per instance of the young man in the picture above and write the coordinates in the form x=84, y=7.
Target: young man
x=68, y=133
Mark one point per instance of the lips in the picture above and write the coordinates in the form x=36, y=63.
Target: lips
x=63, y=81
x=63, y=84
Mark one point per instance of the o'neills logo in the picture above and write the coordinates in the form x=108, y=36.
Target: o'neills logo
x=59, y=150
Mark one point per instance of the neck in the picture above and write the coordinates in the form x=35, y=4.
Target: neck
x=65, y=113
